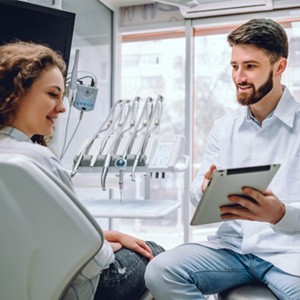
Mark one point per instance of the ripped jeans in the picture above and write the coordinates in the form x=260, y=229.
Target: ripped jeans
x=124, y=279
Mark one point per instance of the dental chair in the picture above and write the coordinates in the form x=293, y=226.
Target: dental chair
x=46, y=236
x=250, y=291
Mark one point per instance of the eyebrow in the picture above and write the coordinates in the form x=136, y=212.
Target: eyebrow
x=246, y=62
x=56, y=87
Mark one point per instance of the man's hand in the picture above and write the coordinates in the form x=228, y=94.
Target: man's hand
x=260, y=206
x=207, y=177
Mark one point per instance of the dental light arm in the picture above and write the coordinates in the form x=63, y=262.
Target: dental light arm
x=73, y=82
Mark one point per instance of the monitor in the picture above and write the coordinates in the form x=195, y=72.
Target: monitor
x=31, y=22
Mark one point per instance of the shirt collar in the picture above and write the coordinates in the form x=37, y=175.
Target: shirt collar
x=284, y=111
x=286, y=108
x=15, y=134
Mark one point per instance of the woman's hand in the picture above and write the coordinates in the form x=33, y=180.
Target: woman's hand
x=118, y=240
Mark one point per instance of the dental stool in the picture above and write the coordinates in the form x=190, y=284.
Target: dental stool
x=249, y=291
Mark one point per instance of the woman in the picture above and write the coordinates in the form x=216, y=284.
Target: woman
x=32, y=87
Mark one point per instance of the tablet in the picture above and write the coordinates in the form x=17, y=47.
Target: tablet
x=228, y=182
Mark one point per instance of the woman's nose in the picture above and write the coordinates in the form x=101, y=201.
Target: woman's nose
x=60, y=107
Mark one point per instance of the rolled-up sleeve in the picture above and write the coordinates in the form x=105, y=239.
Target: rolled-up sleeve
x=290, y=222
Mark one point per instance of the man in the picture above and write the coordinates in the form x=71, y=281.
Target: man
x=260, y=240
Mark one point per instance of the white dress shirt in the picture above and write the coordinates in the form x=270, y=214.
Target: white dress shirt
x=238, y=140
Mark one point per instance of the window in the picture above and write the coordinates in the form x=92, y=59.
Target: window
x=150, y=68
x=214, y=89
x=159, y=68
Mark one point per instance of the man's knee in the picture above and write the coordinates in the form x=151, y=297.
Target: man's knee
x=154, y=267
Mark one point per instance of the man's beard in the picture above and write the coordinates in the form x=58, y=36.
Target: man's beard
x=256, y=95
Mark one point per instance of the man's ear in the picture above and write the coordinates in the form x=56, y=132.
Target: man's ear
x=281, y=65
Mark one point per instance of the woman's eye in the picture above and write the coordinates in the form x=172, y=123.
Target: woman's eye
x=53, y=95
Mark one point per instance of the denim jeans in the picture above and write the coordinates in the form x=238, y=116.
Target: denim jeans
x=124, y=279
x=190, y=271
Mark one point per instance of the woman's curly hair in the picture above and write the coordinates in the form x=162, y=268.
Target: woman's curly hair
x=21, y=64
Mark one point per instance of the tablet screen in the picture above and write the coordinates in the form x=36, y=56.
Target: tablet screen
x=230, y=182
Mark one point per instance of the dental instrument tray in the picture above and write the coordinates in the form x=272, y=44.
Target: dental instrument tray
x=129, y=141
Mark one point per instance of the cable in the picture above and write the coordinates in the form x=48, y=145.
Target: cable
x=90, y=75
x=64, y=149
x=66, y=129
x=93, y=80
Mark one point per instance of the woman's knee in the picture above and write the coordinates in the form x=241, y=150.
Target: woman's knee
x=156, y=249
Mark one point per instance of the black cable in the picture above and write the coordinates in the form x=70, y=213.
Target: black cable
x=93, y=80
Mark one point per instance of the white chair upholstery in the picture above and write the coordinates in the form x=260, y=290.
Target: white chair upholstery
x=46, y=236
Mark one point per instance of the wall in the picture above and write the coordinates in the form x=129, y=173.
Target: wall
x=93, y=37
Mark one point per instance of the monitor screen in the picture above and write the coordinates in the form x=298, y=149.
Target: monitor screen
x=30, y=22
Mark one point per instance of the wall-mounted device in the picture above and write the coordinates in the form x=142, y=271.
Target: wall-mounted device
x=81, y=96
x=85, y=97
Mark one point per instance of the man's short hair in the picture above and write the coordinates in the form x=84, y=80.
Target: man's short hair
x=265, y=34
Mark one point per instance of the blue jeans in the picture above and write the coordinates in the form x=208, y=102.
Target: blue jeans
x=124, y=279
x=190, y=271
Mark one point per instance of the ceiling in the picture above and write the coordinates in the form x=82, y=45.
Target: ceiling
x=183, y=3
x=120, y=3
x=131, y=2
